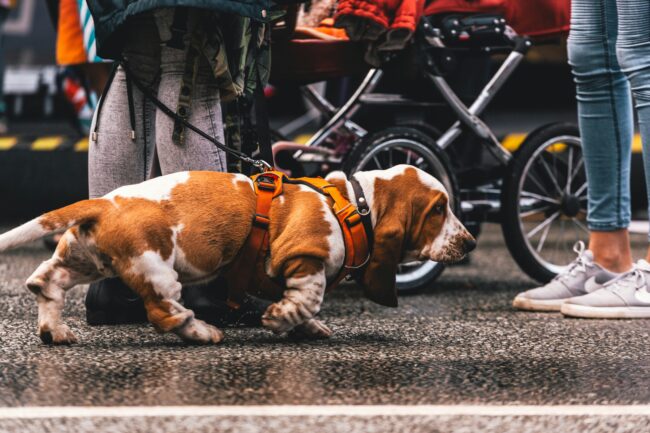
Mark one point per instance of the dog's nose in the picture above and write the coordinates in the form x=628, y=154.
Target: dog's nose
x=469, y=245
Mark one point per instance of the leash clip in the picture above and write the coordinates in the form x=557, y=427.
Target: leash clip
x=262, y=165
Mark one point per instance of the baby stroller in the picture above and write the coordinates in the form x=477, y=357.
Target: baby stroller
x=537, y=193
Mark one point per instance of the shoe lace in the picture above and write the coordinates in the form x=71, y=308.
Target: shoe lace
x=635, y=278
x=578, y=266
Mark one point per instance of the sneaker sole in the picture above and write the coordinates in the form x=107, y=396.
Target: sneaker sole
x=586, y=312
x=528, y=304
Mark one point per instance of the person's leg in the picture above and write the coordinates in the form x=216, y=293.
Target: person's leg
x=191, y=152
x=606, y=127
x=633, y=50
x=628, y=296
x=605, y=117
x=115, y=159
x=611, y=249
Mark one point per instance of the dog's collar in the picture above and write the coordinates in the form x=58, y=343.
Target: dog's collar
x=364, y=210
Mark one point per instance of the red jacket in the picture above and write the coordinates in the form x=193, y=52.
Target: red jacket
x=389, y=14
x=378, y=16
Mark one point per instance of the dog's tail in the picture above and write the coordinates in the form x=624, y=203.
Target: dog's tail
x=86, y=211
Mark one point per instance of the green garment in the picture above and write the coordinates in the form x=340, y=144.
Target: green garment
x=110, y=15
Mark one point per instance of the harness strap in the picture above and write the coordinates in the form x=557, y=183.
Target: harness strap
x=357, y=252
x=267, y=186
x=356, y=244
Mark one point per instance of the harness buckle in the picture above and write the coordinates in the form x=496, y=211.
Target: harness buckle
x=261, y=221
x=353, y=219
x=266, y=182
x=344, y=208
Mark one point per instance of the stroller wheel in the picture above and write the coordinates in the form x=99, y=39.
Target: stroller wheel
x=544, y=201
x=404, y=145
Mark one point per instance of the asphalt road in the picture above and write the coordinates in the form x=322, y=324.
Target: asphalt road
x=437, y=360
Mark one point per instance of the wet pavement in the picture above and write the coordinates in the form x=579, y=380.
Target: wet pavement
x=458, y=343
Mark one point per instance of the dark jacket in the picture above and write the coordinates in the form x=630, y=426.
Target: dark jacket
x=110, y=16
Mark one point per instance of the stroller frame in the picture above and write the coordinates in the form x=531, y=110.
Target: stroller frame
x=468, y=116
x=506, y=196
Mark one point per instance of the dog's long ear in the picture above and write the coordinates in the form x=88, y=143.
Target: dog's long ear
x=379, y=277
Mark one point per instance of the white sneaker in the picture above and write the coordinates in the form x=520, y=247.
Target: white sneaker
x=626, y=297
x=582, y=276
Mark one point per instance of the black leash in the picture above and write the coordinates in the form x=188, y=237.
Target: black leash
x=261, y=112
x=260, y=164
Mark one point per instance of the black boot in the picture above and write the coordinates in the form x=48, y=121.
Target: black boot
x=209, y=304
x=111, y=302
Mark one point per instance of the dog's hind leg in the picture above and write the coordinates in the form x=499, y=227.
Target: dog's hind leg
x=49, y=283
x=305, y=279
x=156, y=281
x=68, y=267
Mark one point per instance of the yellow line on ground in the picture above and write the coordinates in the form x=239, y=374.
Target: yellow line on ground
x=302, y=138
x=47, y=143
x=513, y=141
x=510, y=142
x=7, y=143
x=81, y=145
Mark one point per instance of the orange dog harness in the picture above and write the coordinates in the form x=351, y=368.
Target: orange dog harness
x=355, y=225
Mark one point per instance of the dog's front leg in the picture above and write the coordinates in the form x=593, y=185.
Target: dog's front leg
x=155, y=280
x=312, y=329
x=302, y=298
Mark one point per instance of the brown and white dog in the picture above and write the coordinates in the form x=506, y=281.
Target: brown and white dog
x=187, y=227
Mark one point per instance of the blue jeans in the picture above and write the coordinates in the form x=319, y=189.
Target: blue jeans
x=609, y=52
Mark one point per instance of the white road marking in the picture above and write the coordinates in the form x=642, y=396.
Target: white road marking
x=57, y=412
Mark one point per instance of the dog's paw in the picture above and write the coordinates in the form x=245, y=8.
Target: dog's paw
x=311, y=330
x=197, y=331
x=282, y=316
x=60, y=334
x=275, y=324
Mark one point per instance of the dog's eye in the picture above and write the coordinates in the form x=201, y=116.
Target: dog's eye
x=439, y=208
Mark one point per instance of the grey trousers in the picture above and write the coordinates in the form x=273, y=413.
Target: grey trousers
x=115, y=159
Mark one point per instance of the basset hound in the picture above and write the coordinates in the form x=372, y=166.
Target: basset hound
x=187, y=227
